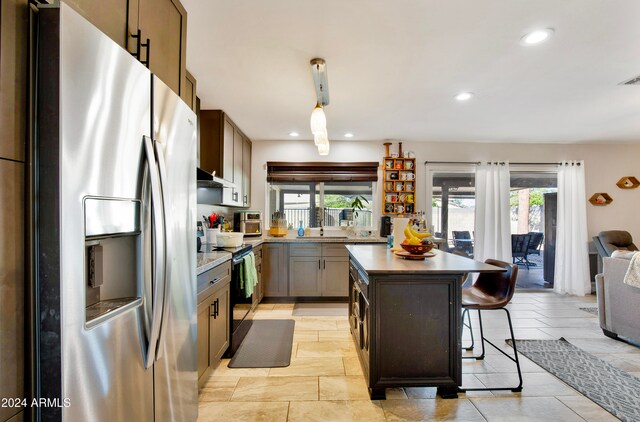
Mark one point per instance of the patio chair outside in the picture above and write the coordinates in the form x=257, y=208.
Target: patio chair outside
x=535, y=243
x=462, y=241
x=520, y=249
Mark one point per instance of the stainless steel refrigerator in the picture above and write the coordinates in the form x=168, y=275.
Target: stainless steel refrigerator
x=115, y=176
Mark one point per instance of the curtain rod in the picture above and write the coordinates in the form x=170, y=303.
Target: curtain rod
x=500, y=162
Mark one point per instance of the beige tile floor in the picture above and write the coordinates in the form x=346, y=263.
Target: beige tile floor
x=325, y=382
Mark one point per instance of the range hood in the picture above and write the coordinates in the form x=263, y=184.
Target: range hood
x=208, y=180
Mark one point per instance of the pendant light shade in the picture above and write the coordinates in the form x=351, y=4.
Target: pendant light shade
x=318, y=120
x=321, y=138
x=323, y=149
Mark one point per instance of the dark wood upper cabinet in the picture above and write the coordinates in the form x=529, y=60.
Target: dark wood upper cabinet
x=238, y=144
x=109, y=16
x=14, y=27
x=227, y=151
x=227, y=166
x=189, y=96
x=164, y=24
x=246, y=173
x=161, y=22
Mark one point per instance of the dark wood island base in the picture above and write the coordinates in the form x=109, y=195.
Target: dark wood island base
x=404, y=317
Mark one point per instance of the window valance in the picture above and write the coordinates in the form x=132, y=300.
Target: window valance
x=280, y=171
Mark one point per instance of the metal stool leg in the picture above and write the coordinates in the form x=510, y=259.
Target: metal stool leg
x=481, y=357
x=515, y=353
x=514, y=358
x=466, y=312
x=482, y=339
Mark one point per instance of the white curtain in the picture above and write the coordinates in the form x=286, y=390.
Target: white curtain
x=493, y=213
x=572, y=253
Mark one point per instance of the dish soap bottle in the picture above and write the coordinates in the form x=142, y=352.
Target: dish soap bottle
x=301, y=230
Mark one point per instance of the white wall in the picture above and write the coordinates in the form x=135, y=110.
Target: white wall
x=604, y=166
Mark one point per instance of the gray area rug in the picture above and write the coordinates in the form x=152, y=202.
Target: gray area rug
x=267, y=345
x=614, y=389
x=593, y=311
x=321, y=309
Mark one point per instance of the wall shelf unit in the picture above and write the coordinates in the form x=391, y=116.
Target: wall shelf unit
x=398, y=186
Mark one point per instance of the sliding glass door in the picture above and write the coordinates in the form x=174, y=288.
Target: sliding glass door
x=452, y=192
x=533, y=190
x=533, y=218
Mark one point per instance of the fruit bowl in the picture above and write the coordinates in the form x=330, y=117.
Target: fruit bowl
x=417, y=249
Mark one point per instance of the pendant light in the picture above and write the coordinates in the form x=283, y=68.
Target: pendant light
x=318, y=121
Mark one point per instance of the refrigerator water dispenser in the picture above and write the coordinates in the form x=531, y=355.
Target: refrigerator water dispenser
x=112, y=242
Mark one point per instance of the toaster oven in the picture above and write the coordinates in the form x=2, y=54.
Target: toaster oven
x=248, y=222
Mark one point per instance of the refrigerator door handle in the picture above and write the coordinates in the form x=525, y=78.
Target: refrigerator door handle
x=162, y=167
x=158, y=252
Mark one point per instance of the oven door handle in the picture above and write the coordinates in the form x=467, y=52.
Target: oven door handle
x=239, y=259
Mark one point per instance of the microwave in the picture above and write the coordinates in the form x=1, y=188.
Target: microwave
x=248, y=222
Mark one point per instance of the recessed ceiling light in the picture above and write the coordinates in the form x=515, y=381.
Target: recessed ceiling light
x=464, y=96
x=348, y=135
x=536, y=37
x=294, y=134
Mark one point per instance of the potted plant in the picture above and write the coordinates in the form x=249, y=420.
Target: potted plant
x=357, y=204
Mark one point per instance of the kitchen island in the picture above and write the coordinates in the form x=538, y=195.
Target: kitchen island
x=404, y=316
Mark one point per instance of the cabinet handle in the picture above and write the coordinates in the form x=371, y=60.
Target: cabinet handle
x=215, y=309
x=246, y=199
x=235, y=196
x=139, y=46
x=318, y=264
x=324, y=264
x=214, y=280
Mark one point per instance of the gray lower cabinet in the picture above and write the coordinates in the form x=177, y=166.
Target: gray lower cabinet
x=319, y=270
x=274, y=270
x=305, y=275
x=335, y=276
x=213, y=320
x=204, y=352
x=304, y=269
x=220, y=334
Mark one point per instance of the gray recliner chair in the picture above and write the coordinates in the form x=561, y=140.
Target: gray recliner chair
x=612, y=240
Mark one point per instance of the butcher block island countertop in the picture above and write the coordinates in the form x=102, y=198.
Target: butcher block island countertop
x=404, y=317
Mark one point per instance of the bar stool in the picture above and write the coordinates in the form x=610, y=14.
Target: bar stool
x=492, y=291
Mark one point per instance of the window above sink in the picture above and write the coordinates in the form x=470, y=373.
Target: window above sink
x=322, y=194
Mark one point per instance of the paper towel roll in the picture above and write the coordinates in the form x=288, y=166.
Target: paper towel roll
x=398, y=231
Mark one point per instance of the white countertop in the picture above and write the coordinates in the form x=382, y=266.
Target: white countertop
x=210, y=259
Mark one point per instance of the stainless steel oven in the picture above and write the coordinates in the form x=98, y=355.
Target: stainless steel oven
x=248, y=222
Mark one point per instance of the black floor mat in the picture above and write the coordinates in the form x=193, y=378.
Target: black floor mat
x=267, y=345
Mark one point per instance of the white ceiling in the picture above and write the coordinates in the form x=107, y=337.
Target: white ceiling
x=394, y=68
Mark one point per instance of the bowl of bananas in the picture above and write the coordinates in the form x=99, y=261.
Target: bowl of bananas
x=420, y=249
x=416, y=243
